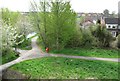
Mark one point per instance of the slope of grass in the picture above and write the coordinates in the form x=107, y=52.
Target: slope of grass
x=67, y=68
x=9, y=57
x=92, y=52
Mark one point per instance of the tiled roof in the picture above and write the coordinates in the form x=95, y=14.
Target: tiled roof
x=118, y=21
x=111, y=20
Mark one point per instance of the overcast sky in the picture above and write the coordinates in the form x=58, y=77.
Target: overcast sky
x=77, y=5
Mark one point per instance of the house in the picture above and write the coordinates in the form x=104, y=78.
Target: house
x=86, y=24
x=113, y=26
x=119, y=9
x=93, y=16
x=90, y=17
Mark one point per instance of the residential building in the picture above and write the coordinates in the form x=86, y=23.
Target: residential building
x=112, y=26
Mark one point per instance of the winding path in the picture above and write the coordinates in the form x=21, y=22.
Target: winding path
x=36, y=52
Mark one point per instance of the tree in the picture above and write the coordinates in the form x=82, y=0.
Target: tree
x=63, y=23
x=10, y=36
x=39, y=16
x=56, y=23
x=119, y=9
x=113, y=15
x=1, y=24
x=8, y=17
x=87, y=38
x=118, y=41
x=23, y=25
x=11, y=39
x=106, y=13
x=104, y=37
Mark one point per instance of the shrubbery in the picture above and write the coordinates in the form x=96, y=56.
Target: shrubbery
x=75, y=40
x=96, y=36
x=103, y=36
x=87, y=38
x=118, y=43
x=26, y=45
x=8, y=55
x=12, y=36
x=82, y=37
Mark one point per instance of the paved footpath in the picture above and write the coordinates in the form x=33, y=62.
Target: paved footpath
x=87, y=58
x=36, y=52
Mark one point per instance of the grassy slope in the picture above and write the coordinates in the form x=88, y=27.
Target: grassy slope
x=67, y=68
x=105, y=53
x=9, y=57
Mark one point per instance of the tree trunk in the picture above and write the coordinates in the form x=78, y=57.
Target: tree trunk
x=45, y=24
x=57, y=24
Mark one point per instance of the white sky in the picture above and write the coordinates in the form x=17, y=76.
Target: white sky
x=77, y=5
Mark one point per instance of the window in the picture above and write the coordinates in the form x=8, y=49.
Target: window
x=109, y=26
x=119, y=27
x=113, y=33
x=114, y=27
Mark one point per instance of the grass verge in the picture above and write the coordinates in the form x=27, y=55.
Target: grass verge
x=67, y=68
x=8, y=57
x=92, y=52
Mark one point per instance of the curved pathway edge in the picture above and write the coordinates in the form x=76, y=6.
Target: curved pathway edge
x=36, y=52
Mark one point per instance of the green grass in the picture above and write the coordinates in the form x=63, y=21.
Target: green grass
x=8, y=57
x=67, y=68
x=85, y=51
x=93, y=52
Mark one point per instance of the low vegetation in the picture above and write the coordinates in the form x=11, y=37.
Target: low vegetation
x=56, y=28
x=14, y=31
x=67, y=68
x=9, y=56
x=90, y=52
x=26, y=45
x=118, y=44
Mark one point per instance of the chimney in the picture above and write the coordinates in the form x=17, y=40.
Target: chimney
x=102, y=21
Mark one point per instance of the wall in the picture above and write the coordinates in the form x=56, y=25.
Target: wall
x=12, y=74
x=111, y=26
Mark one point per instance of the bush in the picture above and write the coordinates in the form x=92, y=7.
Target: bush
x=26, y=45
x=8, y=56
x=95, y=36
x=75, y=40
x=103, y=36
x=82, y=37
x=107, y=39
x=118, y=43
x=87, y=38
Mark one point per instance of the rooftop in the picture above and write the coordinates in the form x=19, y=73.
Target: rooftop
x=111, y=20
